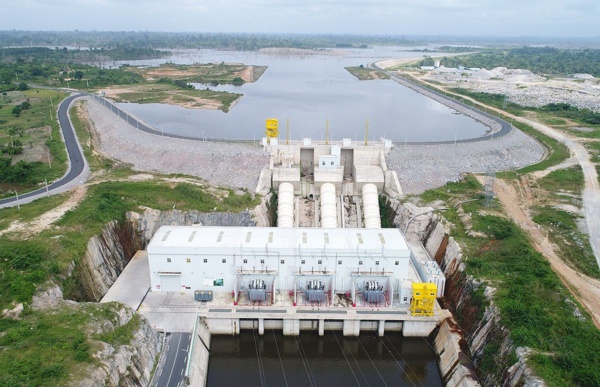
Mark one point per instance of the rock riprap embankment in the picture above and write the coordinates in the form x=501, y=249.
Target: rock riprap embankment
x=235, y=165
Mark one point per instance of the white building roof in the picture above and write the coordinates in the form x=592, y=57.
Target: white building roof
x=269, y=240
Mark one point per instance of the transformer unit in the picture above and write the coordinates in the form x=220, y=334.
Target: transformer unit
x=257, y=290
x=315, y=290
x=374, y=292
x=203, y=295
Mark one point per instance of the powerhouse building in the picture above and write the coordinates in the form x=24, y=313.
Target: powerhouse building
x=281, y=260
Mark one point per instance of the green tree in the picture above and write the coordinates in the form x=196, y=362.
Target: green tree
x=23, y=86
x=78, y=75
x=17, y=110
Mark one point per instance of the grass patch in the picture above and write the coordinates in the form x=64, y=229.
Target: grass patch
x=172, y=94
x=31, y=210
x=366, y=74
x=34, y=136
x=46, y=348
x=557, y=151
x=594, y=148
x=534, y=305
x=453, y=189
x=574, y=246
x=569, y=179
x=121, y=335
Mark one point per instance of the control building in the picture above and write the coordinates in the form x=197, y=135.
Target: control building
x=255, y=264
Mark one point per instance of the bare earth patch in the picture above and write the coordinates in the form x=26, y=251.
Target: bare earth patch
x=45, y=220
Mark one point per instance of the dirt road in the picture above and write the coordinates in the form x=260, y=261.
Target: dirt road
x=585, y=289
x=591, y=191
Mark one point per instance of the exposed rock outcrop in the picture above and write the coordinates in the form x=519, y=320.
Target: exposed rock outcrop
x=125, y=365
x=148, y=222
x=106, y=256
x=481, y=330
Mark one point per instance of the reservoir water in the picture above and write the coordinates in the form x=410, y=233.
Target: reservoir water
x=331, y=360
x=309, y=91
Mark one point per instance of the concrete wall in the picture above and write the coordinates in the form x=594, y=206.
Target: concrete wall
x=447, y=346
x=197, y=370
x=412, y=328
x=287, y=175
x=332, y=175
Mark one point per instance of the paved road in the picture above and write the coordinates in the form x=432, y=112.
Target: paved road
x=505, y=126
x=77, y=162
x=171, y=368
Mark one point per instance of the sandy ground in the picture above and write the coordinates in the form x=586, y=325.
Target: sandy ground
x=45, y=220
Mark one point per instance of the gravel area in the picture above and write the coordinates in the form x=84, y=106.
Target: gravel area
x=523, y=87
x=421, y=167
x=235, y=165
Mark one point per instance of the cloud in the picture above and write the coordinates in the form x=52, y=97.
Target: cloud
x=409, y=17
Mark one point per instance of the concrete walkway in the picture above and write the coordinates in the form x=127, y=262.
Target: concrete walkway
x=133, y=284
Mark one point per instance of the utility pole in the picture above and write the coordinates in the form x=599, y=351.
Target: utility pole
x=18, y=205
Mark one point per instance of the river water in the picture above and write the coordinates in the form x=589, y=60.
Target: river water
x=311, y=92
x=331, y=360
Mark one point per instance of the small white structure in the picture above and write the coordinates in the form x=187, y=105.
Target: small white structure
x=189, y=258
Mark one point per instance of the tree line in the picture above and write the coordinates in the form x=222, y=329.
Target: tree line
x=539, y=60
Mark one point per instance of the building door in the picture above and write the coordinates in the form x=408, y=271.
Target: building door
x=170, y=283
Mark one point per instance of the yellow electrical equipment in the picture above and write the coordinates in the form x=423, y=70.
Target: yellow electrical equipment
x=423, y=299
x=272, y=129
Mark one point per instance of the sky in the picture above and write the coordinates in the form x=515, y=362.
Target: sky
x=546, y=18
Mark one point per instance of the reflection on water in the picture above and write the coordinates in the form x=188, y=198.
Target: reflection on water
x=331, y=360
x=308, y=91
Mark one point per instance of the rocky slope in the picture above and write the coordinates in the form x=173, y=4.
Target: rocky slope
x=483, y=335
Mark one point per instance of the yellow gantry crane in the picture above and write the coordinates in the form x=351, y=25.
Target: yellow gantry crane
x=272, y=129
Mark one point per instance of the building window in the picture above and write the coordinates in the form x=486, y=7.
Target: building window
x=360, y=262
x=397, y=263
x=282, y=261
x=262, y=261
x=245, y=261
x=377, y=263
x=323, y=162
x=205, y=260
x=405, y=299
x=332, y=163
x=302, y=262
x=340, y=262
x=320, y=261
x=224, y=260
x=168, y=259
x=188, y=260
